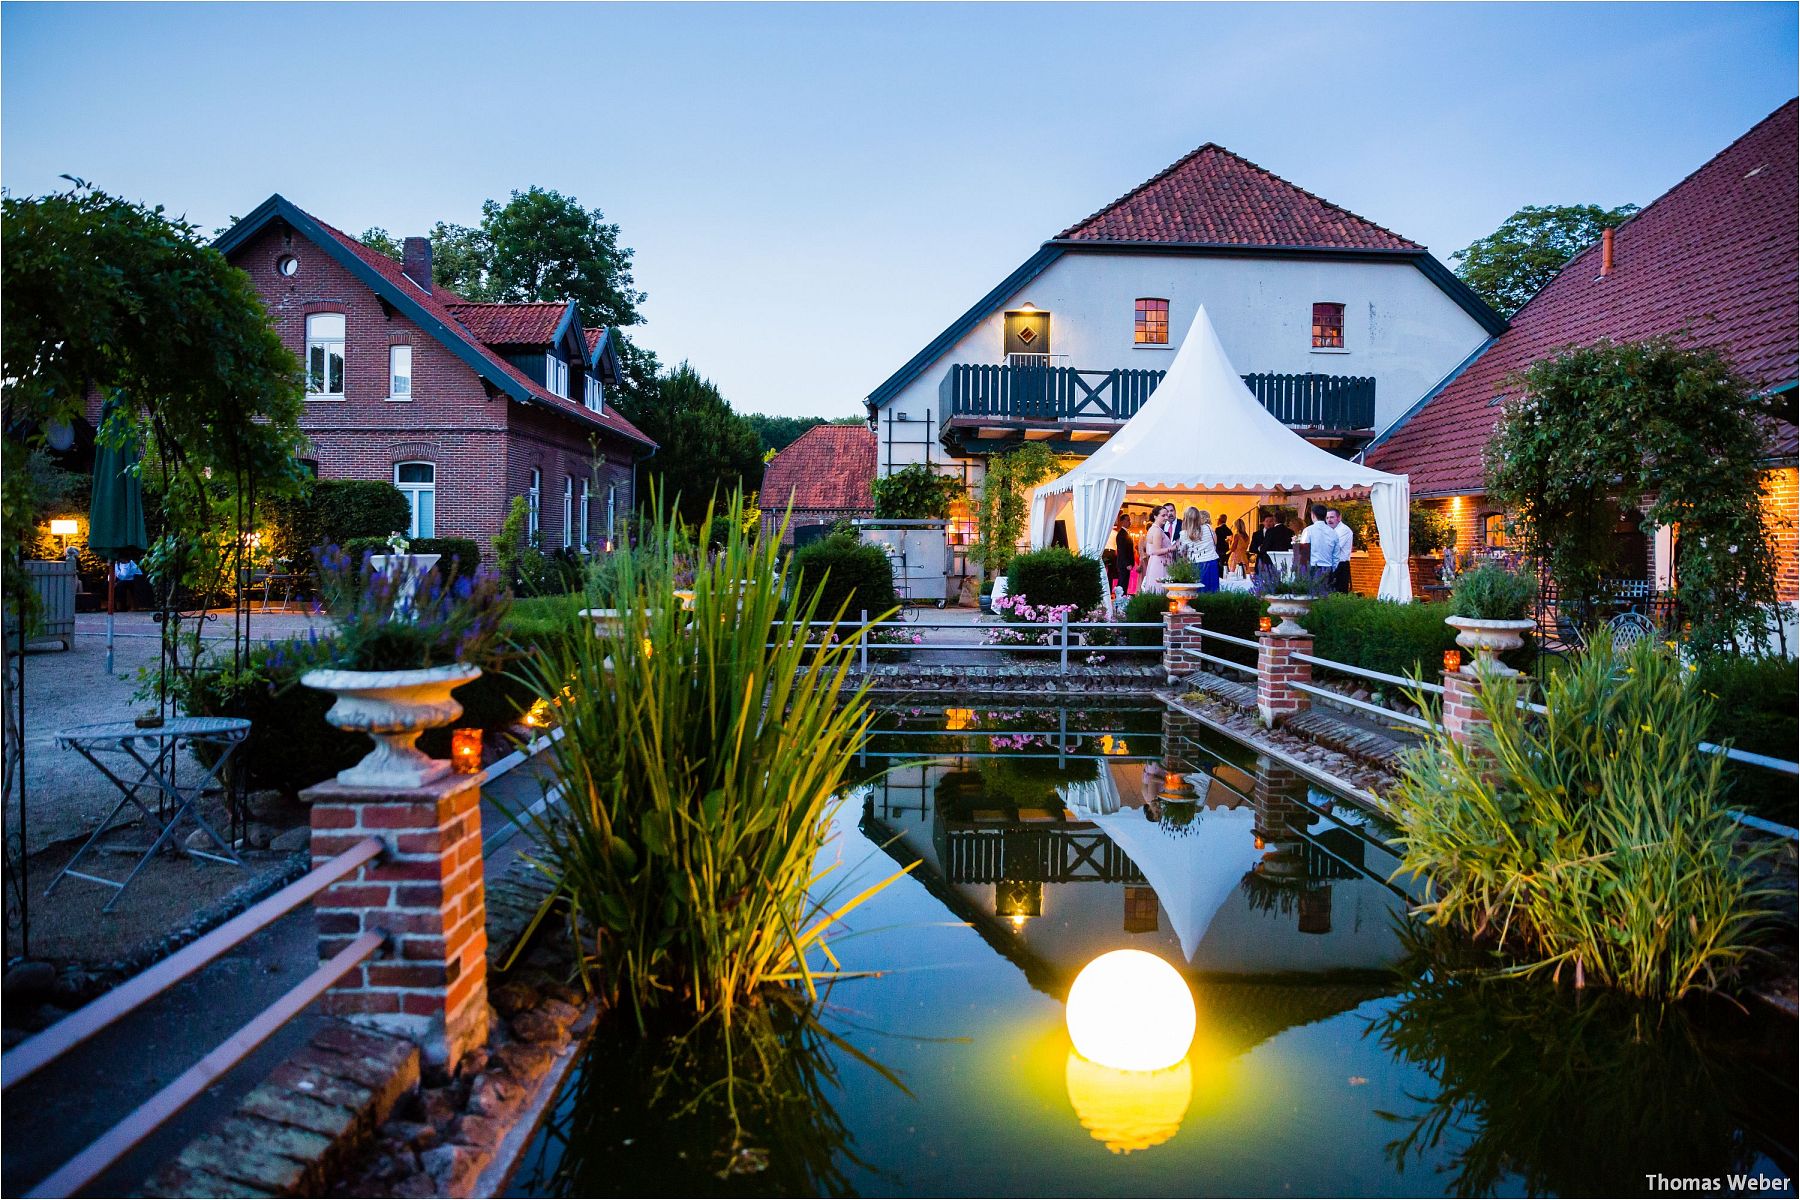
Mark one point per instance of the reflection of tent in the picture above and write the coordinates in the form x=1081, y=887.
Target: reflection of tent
x=1202, y=431
x=1193, y=877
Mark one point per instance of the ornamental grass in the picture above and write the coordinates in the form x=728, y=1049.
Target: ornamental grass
x=703, y=755
x=1593, y=842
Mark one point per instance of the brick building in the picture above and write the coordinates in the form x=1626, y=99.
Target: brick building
x=1715, y=260
x=462, y=406
x=826, y=475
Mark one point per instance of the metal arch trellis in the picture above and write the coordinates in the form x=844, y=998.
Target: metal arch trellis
x=17, y=887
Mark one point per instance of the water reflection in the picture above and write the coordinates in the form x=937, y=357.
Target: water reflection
x=1128, y=1110
x=1584, y=1095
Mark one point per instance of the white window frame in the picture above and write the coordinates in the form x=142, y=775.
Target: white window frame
x=556, y=376
x=612, y=496
x=586, y=545
x=325, y=343
x=411, y=490
x=596, y=396
x=400, y=382
x=568, y=528
x=533, y=497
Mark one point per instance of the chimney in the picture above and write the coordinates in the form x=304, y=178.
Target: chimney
x=1606, y=252
x=415, y=260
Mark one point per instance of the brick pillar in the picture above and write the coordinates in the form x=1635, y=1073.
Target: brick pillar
x=1277, y=670
x=429, y=983
x=1462, y=710
x=1181, y=633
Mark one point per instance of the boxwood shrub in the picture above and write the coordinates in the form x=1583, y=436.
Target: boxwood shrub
x=1055, y=576
x=1756, y=708
x=849, y=572
x=464, y=550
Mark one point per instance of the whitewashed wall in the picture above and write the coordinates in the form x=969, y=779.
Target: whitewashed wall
x=1398, y=326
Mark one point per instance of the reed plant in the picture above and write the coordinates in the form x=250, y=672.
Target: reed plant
x=1593, y=841
x=702, y=757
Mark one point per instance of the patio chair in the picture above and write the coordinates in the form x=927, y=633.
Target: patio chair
x=1628, y=629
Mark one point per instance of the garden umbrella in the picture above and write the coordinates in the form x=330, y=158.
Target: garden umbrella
x=116, y=519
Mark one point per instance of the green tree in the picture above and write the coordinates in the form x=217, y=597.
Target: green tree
x=1508, y=266
x=705, y=447
x=100, y=292
x=778, y=433
x=1601, y=432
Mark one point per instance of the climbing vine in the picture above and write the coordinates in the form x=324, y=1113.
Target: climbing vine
x=1005, y=495
x=1605, y=431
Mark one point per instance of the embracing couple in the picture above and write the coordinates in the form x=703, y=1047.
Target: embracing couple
x=1192, y=538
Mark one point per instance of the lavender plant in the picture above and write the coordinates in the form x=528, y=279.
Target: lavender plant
x=404, y=620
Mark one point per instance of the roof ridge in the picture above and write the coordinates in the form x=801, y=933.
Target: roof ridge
x=1254, y=166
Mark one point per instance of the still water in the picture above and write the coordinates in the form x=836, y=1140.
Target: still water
x=1334, y=1053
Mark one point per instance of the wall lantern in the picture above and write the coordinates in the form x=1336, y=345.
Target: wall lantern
x=465, y=751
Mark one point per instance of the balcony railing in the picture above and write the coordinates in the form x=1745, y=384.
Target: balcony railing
x=1033, y=392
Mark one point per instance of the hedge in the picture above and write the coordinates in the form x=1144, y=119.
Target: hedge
x=1381, y=635
x=1757, y=709
x=848, y=572
x=335, y=512
x=1054, y=576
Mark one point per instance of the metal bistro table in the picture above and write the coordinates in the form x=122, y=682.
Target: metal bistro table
x=154, y=753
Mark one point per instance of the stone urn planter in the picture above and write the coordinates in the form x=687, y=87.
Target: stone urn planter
x=393, y=708
x=1487, y=639
x=1179, y=594
x=1290, y=609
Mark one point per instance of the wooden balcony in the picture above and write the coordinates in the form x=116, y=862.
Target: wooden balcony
x=987, y=408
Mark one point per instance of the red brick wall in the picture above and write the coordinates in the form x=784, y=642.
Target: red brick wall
x=1781, y=492
x=483, y=448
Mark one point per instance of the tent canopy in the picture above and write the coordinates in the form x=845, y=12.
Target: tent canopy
x=1203, y=431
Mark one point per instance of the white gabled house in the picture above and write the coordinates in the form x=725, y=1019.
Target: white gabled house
x=1339, y=324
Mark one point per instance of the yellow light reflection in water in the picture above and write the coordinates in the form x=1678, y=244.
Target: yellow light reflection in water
x=1128, y=1110
x=958, y=719
x=1131, y=1011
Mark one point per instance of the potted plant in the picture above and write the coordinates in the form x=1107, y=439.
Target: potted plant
x=1290, y=594
x=1488, y=610
x=1181, y=584
x=405, y=640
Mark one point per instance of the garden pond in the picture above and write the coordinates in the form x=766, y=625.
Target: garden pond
x=1337, y=1052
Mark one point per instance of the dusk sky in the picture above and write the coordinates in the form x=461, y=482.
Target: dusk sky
x=815, y=191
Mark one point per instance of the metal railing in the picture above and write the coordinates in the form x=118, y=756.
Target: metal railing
x=1061, y=644
x=1225, y=662
x=1031, y=387
x=38, y=1052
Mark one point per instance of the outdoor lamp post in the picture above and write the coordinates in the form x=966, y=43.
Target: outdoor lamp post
x=65, y=528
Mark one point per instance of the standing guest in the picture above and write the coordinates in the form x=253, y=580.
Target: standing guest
x=1222, y=536
x=1273, y=538
x=1122, y=555
x=1159, y=549
x=1320, y=541
x=1343, y=542
x=1239, y=559
x=1200, y=545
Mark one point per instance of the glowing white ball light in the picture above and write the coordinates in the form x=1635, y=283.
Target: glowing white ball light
x=1131, y=1011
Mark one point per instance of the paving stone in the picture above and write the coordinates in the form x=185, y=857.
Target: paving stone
x=454, y=1168
x=327, y=1089
x=303, y=1112
x=176, y=1180
x=525, y=1062
x=536, y=1026
x=472, y=1129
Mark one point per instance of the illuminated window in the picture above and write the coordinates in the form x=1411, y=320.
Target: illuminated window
x=1328, y=327
x=1152, y=323
x=1494, y=530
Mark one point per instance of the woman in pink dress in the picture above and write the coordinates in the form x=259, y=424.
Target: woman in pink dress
x=1159, y=548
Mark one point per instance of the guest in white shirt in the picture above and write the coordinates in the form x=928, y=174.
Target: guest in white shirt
x=1320, y=543
x=1343, y=540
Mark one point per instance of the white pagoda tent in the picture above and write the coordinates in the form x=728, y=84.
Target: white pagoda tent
x=1202, y=433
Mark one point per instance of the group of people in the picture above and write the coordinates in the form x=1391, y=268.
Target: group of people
x=1139, y=560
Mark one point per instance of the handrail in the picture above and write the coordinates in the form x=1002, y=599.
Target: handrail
x=32, y=1055
x=118, y=1141
x=1350, y=669
x=1340, y=698
x=1756, y=760
x=851, y=623
x=1232, y=638
x=1224, y=662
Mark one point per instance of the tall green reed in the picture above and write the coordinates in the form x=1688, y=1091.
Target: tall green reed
x=702, y=758
x=1593, y=839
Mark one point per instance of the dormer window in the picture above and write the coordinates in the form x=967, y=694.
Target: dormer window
x=556, y=375
x=594, y=398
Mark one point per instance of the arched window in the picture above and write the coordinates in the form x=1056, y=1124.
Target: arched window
x=568, y=529
x=533, y=500
x=417, y=481
x=325, y=356
x=1152, y=323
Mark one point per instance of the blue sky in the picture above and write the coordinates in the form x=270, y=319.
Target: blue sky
x=814, y=191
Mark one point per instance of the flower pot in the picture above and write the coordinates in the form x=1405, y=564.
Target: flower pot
x=407, y=570
x=1290, y=609
x=1179, y=594
x=1488, y=638
x=393, y=708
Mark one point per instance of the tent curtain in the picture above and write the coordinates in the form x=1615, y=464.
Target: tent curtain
x=1097, y=503
x=1390, y=501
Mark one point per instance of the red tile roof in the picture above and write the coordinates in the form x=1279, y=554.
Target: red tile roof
x=1215, y=197
x=1714, y=260
x=828, y=467
x=435, y=306
x=510, y=324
